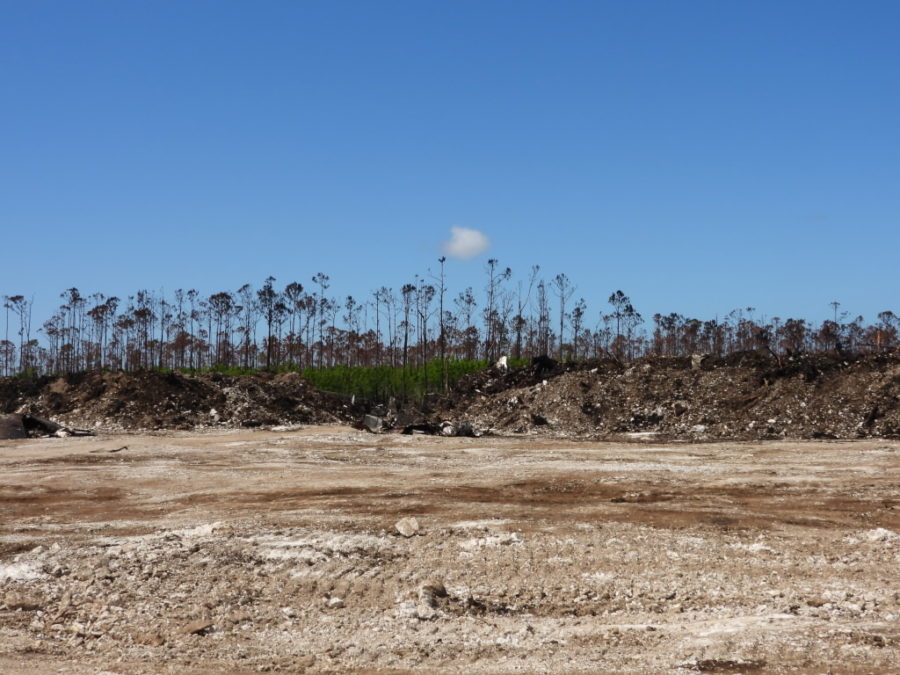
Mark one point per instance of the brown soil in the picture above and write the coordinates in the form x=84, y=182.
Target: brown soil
x=247, y=551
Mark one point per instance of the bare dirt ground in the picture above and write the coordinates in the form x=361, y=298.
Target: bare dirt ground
x=244, y=551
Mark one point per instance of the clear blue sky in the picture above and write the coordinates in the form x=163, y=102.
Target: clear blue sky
x=700, y=155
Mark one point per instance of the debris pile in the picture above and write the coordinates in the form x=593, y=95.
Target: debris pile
x=154, y=400
x=28, y=426
x=748, y=395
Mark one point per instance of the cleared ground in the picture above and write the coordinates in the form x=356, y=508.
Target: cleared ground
x=257, y=551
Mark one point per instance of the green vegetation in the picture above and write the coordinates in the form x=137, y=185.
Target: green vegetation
x=372, y=383
x=379, y=383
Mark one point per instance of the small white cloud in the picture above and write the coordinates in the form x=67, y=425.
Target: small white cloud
x=465, y=243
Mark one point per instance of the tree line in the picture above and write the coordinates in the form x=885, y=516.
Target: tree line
x=297, y=326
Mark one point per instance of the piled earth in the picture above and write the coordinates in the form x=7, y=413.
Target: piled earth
x=746, y=396
x=154, y=400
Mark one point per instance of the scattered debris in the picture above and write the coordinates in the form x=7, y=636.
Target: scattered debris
x=31, y=426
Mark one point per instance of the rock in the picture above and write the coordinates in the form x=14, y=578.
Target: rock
x=430, y=591
x=14, y=600
x=373, y=423
x=150, y=639
x=198, y=627
x=240, y=617
x=407, y=526
x=466, y=429
x=335, y=603
x=697, y=361
x=425, y=613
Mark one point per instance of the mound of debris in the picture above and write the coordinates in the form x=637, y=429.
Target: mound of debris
x=748, y=395
x=154, y=400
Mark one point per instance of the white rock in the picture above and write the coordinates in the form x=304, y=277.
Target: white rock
x=407, y=526
x=425, y=612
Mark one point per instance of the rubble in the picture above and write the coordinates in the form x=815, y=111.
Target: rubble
x=30, y=426
x=114, y=401
x=748, y=395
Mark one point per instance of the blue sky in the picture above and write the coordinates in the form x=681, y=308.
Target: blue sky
x=701, y=156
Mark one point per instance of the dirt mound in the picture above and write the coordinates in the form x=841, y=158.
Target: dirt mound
x=153, y=400
x=747, y=395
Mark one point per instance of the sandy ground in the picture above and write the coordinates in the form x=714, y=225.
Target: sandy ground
x=279, y=551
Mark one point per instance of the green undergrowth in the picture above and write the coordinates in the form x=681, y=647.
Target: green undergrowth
x=376, y=383
x=379, y=383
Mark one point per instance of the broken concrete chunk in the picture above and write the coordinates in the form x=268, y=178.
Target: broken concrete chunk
x=373, y=423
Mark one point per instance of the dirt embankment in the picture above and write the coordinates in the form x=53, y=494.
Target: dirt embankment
x=153, y=400
x=746, y=396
